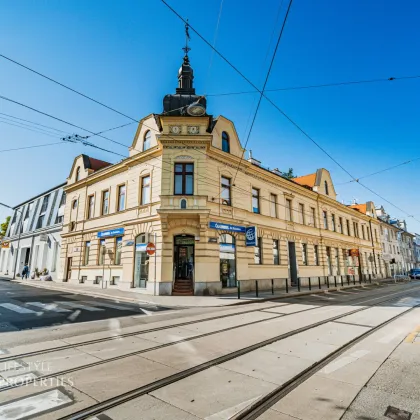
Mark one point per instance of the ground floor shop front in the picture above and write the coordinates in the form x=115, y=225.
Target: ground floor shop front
x=200, y=256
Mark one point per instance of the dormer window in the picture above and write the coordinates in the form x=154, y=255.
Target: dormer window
x=225, y=142
x=147, y=140
x=326, y=187
x=77, y=173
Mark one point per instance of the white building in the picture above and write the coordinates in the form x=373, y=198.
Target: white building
x=34, y=235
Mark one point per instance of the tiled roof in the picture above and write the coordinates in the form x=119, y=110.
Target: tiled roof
x=361, y=207
x=95, y=164
x=308, y=180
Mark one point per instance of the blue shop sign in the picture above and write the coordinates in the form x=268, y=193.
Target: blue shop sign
x=251, y=236
x=227, y=227
x=109, y=233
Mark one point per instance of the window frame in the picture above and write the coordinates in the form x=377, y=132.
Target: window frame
x=313, y=211
x=118, y=203
x=304, y=253
x=226, y=187
x=260, y=253
x=348, y=227
x=316, y=254
x=100, y=255
x=302, y=213
x=255, y=195
x=77, y=177
x=273, y=205
x=143, y=200
x=117, y=240
x=289, y=206
x=225, y=140
x=326, y=188
x=276, y=247
x=147, y=140
x=184, y=173
x=86, y=253
x=325, y=217
x=103, y=202
x=340, y=221
x=89, y=214
x=333, y=224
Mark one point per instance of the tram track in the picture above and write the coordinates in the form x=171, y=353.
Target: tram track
x=270, y=398
x=7, y=358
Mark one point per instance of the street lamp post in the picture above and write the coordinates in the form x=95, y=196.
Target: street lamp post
x=20, y=231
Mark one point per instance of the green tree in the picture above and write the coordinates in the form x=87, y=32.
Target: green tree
x=289, y=174
x=4, y=226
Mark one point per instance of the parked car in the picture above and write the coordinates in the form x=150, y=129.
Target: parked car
x=414, y=273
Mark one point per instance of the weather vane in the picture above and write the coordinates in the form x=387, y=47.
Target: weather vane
x=187, y=38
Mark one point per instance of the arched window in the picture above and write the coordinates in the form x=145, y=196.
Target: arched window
x=225, y=142
x=326, y=187
x=147, y=140
x=74, y=205
x=141, y=262
x=77, y=173
x=183, y=203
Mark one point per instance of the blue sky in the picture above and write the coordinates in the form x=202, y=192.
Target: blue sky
x=126, y=54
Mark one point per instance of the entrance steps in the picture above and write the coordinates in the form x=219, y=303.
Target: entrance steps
x=183, y=288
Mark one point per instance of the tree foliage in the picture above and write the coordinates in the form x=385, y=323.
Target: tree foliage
x=289, y=174
x=4, y=226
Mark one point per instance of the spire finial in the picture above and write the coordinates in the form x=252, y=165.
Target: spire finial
x=187, y=38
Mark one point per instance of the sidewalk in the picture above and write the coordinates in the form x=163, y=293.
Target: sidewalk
x=184, y=301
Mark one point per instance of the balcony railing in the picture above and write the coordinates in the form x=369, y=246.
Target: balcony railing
x=183, y=202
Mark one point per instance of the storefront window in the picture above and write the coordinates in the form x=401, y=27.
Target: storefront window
x=118, y=247
x=227, y=252
x=257, y=252
x=141, y=262
x=276, y=259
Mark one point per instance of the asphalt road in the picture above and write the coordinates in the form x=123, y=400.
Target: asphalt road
x=25, y=307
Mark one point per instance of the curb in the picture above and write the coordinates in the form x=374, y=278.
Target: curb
x=241, y=302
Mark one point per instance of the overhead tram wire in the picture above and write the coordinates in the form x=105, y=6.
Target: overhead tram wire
x=8, y=122
x=31, y=147
x=356, y=82
x=32, y=122
x=224, y=59
x=264, y=85
x=275, y=105
x=381, y=171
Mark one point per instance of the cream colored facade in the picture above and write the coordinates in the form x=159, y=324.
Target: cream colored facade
x=163, y=215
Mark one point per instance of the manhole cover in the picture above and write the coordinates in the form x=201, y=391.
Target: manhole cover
x=397, y=414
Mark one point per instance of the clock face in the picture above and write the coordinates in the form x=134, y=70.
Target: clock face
x=175, y=129
x=193, y=129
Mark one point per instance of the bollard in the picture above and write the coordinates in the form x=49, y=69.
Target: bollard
x=319, y=282
x=354, y=280
x=370, y=279
x=287, y=285
x=335, y=281
x=272, y=286
x=328, y=282
x=342, y=284
x=298, y=281
x=256, y=288
x=360, y=279
x=310, y=286
x=348, y=280
x=239, y=289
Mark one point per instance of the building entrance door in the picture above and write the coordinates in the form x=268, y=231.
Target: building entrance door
x=292, y=263
x=183, y=264
x=68, y=268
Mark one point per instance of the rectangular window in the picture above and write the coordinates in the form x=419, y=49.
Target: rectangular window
x=301, y=213
x=348, y=228
x=225, y=193
x=45, y=204
x=255, y=200
x=258, y=252
x=288, y=210
x=313, y=215
x=105, y=202
x=356, y=229
x=184, y=179
x=337, y=260
x=363, y=232
x=145, y=190
x=324, y=213
x=328, y=255
x=376, y=235
x=316, y=254
x=276, y=257
x=304, y=254
x=91, y=208
x=394, y=248
x=63, y=200
x=101, y=252
x=54, y=257
x=40, y=222
x=118, y=248
x=333, y=222
x=340, y=220
x=368, y=234
x=60, y=219
x=98, y=280
x=121, y=197
x=83, y=279
x=273, y=205
x=115, y=280
x=87, y=252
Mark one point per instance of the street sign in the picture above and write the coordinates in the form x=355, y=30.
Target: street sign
x=113, y=232
x=150, y=248
x=251, y=236
x=227, y=227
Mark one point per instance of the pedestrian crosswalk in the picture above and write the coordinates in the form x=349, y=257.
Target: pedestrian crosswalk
x=59, y=307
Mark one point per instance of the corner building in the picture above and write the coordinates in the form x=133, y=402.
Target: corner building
x=186, y=186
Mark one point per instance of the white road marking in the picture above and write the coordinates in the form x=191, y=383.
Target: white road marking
x=231, y=411
x=35, y=405
x=110, y=305
x=360, y=353
x=145, y=311
x=338, y=364
x=388, y=338
x=18, y=309
x=48, y=306
x=80, y=306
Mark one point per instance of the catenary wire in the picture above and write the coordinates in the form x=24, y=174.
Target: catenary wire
x=356, y=82
x=276, y=106
x=24, y=126
x=32, y=122
x=264, y=85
